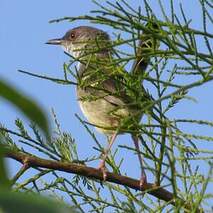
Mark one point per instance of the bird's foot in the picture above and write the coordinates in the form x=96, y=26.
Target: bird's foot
x=103, y=169
x=143, y=181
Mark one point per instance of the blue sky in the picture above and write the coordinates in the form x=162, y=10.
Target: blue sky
x=23, y=33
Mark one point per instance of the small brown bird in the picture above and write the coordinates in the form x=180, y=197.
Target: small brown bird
x=101, y=90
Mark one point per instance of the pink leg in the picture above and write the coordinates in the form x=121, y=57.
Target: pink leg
x=102, y=166
x=143, y=180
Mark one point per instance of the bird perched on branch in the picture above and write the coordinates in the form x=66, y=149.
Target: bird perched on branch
x=103, y=93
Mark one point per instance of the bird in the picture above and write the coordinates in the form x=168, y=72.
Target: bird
x=102, y=91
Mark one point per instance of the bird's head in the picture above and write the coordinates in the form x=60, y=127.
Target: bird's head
x=83, y=40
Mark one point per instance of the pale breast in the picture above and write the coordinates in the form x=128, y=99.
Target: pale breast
x=100, y=112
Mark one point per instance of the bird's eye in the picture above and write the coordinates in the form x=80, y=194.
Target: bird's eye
x=72, y=35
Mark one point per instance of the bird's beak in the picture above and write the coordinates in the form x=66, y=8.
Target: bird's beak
x=57, y=41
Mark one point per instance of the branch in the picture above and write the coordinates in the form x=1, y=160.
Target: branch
x=89, y=172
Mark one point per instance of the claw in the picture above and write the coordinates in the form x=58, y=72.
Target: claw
x=102, y=167
x=143, y=181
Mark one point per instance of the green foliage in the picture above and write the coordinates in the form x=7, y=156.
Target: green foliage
x=4, y=181
x=28, y=107
x=23, y=203
x=64, y=143
x=172, y=155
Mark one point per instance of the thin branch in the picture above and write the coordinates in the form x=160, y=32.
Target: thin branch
x=90, y=172
x=23, y=169
x=57, y=80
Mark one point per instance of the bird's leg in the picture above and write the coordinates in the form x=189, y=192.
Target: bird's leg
x=102, y=166
x=143, y=180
